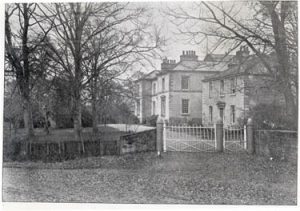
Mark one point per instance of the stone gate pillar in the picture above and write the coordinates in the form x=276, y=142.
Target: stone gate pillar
x=219, y=136
x=250, y=136
x=159, y=136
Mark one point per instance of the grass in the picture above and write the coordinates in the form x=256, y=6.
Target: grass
x=177, y=178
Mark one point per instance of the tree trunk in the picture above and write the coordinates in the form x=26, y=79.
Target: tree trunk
x=77, y=119
x=94, y=107
x=28, y=120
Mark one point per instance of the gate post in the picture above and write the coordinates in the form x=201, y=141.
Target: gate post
x=219, y=136
x=250, y=137
x=159, y=136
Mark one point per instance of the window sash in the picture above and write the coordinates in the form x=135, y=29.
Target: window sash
x=232, y=108
x=185, y=106
x=138, y=107
x=154, y=88
x=233, y=86
x=163, y=106
x=185, y=82
x=163, y=84
x=210, y=113
x=210, y=89
x=222, y=85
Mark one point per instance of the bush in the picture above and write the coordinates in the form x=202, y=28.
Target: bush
x=270, y=116
x=177, y=121
x=195, y=121
x=64, y=121
x=151, y=121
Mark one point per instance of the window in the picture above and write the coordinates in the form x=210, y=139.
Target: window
x=185, y=106
x=138, y=88
x=232, y=114
x=138, y=107
x=163, y=106
x=154, y=88
x=210, y=113
x=153, y=108
x=222, y=114
x=163, y=84
x=222, y=88
x=233, y=86
x=185, y=82
x=210, y=89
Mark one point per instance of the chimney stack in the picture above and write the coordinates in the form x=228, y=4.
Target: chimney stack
x=188, y=56
x=168, y=64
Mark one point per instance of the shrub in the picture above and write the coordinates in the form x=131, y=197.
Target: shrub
x=195, y=121
x=270, y=116
x=177, y=121
x=151, y=121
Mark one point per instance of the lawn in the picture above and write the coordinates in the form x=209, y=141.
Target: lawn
x=184, y=178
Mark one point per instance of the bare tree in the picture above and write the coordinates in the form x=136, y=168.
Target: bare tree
x=24, y=35
x=267, y=27
x=115, y=51
x=81, y=56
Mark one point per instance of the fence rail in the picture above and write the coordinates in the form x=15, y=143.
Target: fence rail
x=189, y=138
x=234, y=139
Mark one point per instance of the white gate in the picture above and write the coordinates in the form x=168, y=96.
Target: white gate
x=234, y=139
x=189, y=138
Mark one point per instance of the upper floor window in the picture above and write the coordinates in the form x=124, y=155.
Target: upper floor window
x=138, y=88
x=163, y=106
x=210, y=87
x=210, y=113
x=222, y=88
x=185, y=106
x=185, y=82
x=233, y=85
x=232, y=114
x=163, y=84
x=154, y=88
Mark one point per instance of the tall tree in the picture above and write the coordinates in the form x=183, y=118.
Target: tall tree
x=267, y=27
x=96, y=36
x=24, y=34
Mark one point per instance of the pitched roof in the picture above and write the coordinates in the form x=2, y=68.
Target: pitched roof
x=251, y=65
x=149, y=76
x=218, y=57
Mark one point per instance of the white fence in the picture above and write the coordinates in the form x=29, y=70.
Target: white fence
x=189, y=138
x=195, y=138
x=234, y=139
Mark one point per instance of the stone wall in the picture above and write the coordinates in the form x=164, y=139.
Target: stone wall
x=138, y=142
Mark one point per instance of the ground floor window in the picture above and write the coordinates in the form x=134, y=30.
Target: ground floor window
x=138, y=107
x=232, y=114
x=153, y=108
x=210, y=113
x=185, y=106
x=163, y=106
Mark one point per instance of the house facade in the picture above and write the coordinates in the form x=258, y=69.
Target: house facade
x=231, y=94
x=174, y=92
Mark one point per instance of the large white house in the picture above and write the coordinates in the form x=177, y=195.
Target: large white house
x=174, y=92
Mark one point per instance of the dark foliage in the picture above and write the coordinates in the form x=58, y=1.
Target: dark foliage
x=271, y=116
